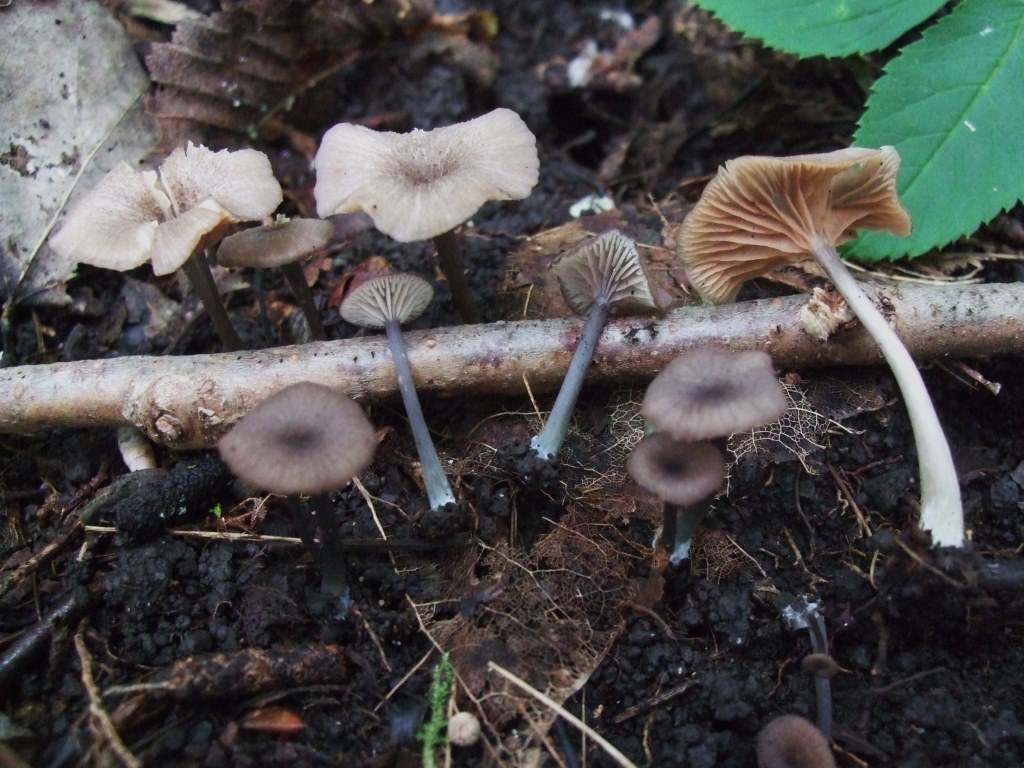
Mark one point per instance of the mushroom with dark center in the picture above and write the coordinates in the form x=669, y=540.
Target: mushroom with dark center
x=282, y=244
x=685, y=476
x=306, y=439
x=600, y=274
x=170, y=219
x=423, y=184
x=387, y=302
x=760, y=213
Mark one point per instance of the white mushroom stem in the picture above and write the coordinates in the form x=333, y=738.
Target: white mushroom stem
x=550, y=439
x=941, y=509
x=439, y=491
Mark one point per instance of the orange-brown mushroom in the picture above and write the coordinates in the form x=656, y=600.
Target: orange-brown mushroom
x=760, y=213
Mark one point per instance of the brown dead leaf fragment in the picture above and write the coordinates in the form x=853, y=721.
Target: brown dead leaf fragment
x=237, y=68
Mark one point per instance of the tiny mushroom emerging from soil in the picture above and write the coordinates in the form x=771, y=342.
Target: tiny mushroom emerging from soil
x=282, y=244
x=306, y=439
x=600, y=274
x=423, y=184
x=463, y=729
x=704, y=394
x=790, y=741
x=760, y=213
x=684, y=476
x=388, y=302
x=169, y=218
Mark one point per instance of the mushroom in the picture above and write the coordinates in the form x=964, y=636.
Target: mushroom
x=423, y=184
x=596, y=276
x=791, y=741
x=684, y=476
x=387, y=302
x=803, y=613
x=132, y=217
x=305, y=439
x=759, y=213
x=713, y=393
x=282, y=244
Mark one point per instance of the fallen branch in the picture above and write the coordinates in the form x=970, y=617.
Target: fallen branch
x=188, y=402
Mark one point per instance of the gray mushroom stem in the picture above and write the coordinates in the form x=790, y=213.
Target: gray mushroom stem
x=678, y=526
x=197, y=270
x=547, y=444
x=300, y=289
x=451, y=264
x=439, y=491
x=941, y=509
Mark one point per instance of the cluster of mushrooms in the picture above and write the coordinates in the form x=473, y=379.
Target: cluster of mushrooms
x=757, y=214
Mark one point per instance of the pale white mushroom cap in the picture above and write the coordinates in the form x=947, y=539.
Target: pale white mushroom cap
x=607, y=264
x=424, y=183
x=131, y=217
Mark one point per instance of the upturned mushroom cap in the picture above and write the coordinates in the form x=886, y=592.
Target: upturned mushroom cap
x=679, y=473
x=307, y=439
x=273, y=245
x=708, y=393
x=761, y=213
x=424, y=183
x=609, y=265
x=791, y=741
x=131, y=216
x=382, y=299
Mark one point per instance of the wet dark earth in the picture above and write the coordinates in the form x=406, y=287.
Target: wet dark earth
x=171, y=617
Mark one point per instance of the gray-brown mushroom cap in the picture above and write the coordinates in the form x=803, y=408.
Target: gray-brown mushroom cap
x=761, y=213
x=422, y=184
x=709, y=393
x=678, y=473
x=274, y=245
x=609, y=265
x=306, y=439
x=382, y=299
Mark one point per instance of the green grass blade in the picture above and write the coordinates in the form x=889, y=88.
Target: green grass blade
x=952, y=103
x=823, y=27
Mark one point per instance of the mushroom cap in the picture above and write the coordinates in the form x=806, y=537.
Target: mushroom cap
x=708, y=393
x=307, y=438
x=791, y=741
x=424, y=183
x=761, y=213
x=379, y=300
x=131, y=216
x=274, y=245
x=679, y=473
x=605, y=265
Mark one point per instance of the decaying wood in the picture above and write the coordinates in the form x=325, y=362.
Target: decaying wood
x=188, y=402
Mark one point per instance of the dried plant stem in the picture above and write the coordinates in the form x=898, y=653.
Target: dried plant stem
x=565, y=714
x=189, y=402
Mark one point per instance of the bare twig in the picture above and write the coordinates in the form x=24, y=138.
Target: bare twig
x=189, y=402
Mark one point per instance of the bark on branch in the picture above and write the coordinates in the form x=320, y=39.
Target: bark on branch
x=188, y=402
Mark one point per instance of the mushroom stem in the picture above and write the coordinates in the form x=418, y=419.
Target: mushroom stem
x=549, y=441
x=300, y=288
x=197, y=270
x=439, y=491
x=448, y=258
x=678, y=526
x=941, y=509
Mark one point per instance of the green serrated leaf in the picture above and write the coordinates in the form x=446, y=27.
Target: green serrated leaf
x=820, y=28
x=952, y=103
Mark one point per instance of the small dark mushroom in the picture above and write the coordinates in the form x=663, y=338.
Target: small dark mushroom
x=685, y=476
x=282, y=244
x=600, y=274
x=387, y=302
x=306, y=439
x=790, y=741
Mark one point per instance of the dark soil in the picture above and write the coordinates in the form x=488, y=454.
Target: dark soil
x=215, y=651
